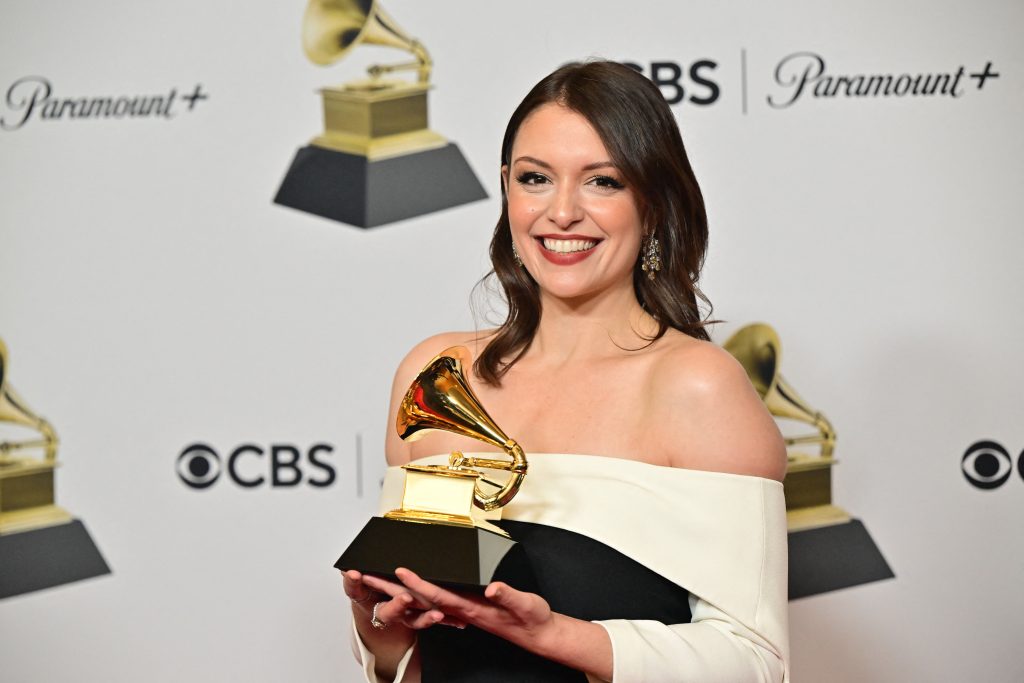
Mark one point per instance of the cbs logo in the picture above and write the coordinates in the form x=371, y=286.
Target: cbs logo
x=987, y=465
x=250, y=466
x=696, y=85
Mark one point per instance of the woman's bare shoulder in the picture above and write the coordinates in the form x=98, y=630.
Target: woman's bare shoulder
x=397, y=451
x=723, y=423
x=422, y=352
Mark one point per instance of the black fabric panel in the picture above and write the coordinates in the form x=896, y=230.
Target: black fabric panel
x=579, y=577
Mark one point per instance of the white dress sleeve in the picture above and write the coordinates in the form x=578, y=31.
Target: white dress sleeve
x=368, y=662
x=720, y=536
x=713, y=648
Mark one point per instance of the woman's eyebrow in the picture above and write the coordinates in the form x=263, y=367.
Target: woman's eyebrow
x=544, y=164
x=533, y=160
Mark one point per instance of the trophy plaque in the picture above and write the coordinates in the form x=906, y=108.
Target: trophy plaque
x=828, y=549
x=377, y=161
x=434, y=533
x=41, y=545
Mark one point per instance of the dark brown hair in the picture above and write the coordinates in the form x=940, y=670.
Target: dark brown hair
x=637, y=127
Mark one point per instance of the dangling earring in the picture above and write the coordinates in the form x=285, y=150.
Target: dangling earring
x=650, y=262
x=515, y=256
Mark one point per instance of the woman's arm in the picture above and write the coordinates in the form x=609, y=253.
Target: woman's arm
x=385, y=653
x=713, y=647
x=386, y=650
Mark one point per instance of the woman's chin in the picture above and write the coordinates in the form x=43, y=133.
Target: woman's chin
x=571, y=286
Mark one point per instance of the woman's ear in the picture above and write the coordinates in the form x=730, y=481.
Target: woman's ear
x=504, y=178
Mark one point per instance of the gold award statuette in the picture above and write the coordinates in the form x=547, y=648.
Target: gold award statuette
x=828, y=549
x=26, y=481
x=41, y=545
x=435, y=532
x=377, y=160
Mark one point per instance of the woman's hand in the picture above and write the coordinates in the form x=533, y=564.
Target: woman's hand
x=386, y=621
x=390, y=603
x=522, y=618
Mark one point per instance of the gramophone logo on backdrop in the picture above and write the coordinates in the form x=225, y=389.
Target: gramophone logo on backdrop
x=41, y=545
x=377, y=161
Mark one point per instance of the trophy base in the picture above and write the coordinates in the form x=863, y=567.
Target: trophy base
x=48, y=557
x=465, y=558
x=832, y=557
x=32, y=518
x=353, y=189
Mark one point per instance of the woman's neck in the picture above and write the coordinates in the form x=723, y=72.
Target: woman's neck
x=590, y=328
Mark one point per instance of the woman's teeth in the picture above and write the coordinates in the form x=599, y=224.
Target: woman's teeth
x=568, y=246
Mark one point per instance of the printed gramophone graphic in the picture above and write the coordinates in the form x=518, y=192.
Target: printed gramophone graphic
x=434, y=532
x=828, y=549
x=376, y=161
x=41, y=545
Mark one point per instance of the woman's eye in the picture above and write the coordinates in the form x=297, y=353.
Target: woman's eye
x=608, y=181
x=531, y=178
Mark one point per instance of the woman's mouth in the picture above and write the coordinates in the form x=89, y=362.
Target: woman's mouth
x=563, y=246
x=566, y=251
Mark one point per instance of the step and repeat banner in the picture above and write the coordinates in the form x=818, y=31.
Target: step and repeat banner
x=219, y=234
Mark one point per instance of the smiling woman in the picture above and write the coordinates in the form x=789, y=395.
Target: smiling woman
x=566, y=205
x=653, y=517
x=630, y=167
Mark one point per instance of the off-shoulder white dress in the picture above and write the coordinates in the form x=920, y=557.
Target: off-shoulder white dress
x=718, y=538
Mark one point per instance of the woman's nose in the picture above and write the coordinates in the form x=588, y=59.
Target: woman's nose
x=565, y=208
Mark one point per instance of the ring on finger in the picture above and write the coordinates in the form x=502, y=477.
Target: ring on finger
x=375, y=620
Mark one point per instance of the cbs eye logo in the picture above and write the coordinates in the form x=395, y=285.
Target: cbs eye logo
x=987, y=465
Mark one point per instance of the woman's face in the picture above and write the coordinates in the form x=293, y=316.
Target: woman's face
x=574, y=222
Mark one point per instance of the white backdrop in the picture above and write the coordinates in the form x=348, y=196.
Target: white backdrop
x=152, y=296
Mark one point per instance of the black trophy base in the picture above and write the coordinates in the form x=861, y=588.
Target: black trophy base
x=833, y=557
x=352, y=189
x=466, y=558
x=47, y=557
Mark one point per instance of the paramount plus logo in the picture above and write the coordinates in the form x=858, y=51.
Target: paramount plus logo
x=804, y=74
x=33, y=97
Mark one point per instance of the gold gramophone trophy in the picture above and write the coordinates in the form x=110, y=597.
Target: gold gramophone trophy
x=41, y=545
x=26, y=482
x=828, y=549
x=377, y=160
x=435, y=533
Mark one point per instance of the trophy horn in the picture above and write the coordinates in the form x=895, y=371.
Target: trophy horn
x=14, y=410
x=331, y=28
x=440, y=398
x=759, y=351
